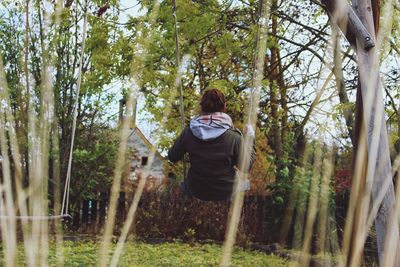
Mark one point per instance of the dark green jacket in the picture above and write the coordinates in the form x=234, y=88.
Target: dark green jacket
x=211, y=173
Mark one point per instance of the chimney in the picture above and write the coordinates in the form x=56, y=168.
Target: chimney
x=122, y=112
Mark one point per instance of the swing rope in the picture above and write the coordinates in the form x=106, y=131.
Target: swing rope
x=178, y=63
x=65, y=202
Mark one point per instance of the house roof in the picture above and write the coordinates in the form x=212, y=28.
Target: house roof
x=146, y=141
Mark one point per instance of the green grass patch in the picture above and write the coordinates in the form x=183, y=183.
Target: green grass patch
x=85, y=253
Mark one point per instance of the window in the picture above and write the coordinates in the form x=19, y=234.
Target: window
x=144, y=161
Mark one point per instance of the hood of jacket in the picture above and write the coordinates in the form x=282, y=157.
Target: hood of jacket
x=210, y=126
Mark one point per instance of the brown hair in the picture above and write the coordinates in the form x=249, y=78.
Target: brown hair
x=213, y=100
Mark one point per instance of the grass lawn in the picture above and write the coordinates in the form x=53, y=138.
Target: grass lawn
x=167, y=254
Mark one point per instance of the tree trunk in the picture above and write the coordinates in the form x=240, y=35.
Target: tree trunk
x=273, y=72
x=102, y=208
x=121, y=212
x=93, y=212
x=285, y=109
x=76, y=216
x=85, y=212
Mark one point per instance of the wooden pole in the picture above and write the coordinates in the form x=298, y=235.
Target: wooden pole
x=344, y=16
x=376, y=170
x=379, y=168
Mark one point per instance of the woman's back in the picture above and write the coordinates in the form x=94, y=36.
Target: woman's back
x=211, y=173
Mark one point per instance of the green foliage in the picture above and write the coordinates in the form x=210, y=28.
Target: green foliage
x=107, y=57
x=102, y=59
x=220, y=56
x=189, y=234
x=94, y=160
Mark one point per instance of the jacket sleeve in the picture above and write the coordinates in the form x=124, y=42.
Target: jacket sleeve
x=177, y=150
x=245, y=157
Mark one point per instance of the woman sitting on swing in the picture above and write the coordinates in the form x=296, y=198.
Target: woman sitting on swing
x=214, y=147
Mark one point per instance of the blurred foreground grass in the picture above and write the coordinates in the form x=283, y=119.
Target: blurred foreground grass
x=85, y=253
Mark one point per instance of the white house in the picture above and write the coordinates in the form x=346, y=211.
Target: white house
x=141, y=149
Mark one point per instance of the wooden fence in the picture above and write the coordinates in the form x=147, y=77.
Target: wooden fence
x=173, y=215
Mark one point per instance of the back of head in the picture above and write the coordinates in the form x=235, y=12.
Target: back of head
x=213, y=100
